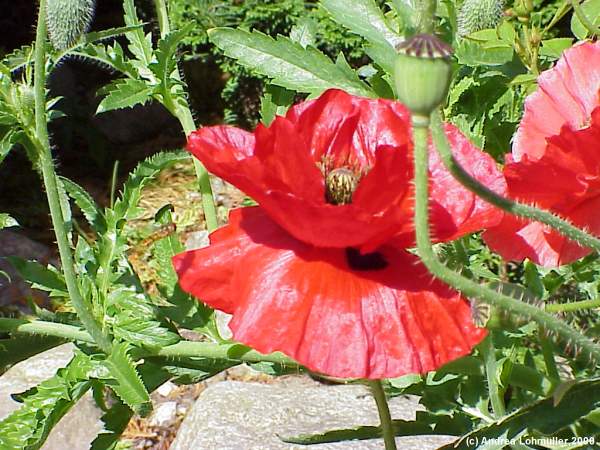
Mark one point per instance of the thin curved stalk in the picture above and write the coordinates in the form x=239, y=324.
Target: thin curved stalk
x=183, y=113
x=49, y=177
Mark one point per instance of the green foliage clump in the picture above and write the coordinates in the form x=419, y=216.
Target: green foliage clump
x=243, y=87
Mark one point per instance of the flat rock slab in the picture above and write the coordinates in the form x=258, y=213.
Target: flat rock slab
x=79, y=427
x=232, y=415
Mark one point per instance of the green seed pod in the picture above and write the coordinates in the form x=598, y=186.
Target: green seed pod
x=422, y=73
x=67, y=20
x=475, y=15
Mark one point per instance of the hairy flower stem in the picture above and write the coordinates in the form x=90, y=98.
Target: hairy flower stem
x=547, y=218
x=583, y=18
x=572, y=306
x=491, y=369
x=182, y=112
x=468, y=287
x=180, y=350
x=50, y=183
x=387, y=427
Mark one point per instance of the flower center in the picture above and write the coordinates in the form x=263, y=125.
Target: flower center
x=367, y=261
x=340, y=184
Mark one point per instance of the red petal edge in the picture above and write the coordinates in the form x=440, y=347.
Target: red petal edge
x=308, y=303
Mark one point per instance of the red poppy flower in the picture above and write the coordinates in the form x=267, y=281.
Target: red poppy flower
x=318, y=270
x=555, y=161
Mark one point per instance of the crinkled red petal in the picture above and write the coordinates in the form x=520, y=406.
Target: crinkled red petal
x=566, y=95
x=310, y=304
x=279, y=167
x=566, y=181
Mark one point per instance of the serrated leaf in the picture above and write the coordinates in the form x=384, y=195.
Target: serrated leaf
x=8, y=141
x=112, y=57
x=591, y=9
x=6, y=221
x=125, y=93
x=364, y=18
x=21, y=347
x=115, y=421
x=128, y=385
x=139, y=43
x=166, y=62
x=304, y=32
x=426, y=424
x=47, y=279
x=126, y=206
x=86, y=204
x=286, y=62
x=143, y=332
x=43, y=406
x=542, y=416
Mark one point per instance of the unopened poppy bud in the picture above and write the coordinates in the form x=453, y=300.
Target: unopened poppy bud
x=475, y=15
x=67, y=20
x=422, y=73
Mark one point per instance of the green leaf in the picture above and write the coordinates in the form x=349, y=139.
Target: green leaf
x=304, y=32
x=126, y=206
x=47, y=279
x=6, y=221
x=115, y=422
x=591, y=9
x=484, y=48
x=364, y=18
x=139, y=44
x=166, y=63
x=86, y=204
x=128, y=385
x=112, y=57
x=8, y=141
x=286, y=62
x=426, y=424
x=541, y=417
x=43, y=406
x=275, y=102
x=124, y=94
x=21, y=347
x=143, y=332
x=553, y=48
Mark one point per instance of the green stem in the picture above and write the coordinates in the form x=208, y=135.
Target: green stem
x=564, y=227
x=491, y=370
x=427, y=23
x=593, y=29
x=183, y=349
x=572, y=306
x=49, y=176
x=465, y=286
x=387, y=427
x=182, y=112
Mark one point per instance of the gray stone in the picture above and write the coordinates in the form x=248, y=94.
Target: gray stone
x=79, y=427
x=196, y=240
x=232, y=415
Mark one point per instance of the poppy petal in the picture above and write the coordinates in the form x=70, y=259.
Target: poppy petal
x=313, y=305
x=567, y=94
